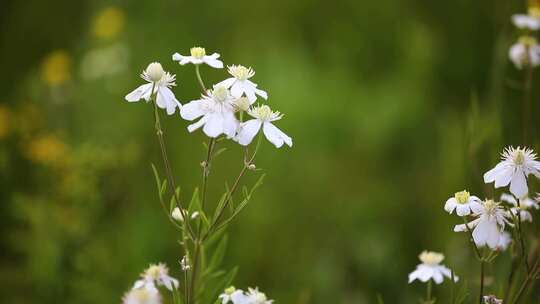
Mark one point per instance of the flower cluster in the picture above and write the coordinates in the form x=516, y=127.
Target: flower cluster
x=238, y=296
x=144, y=291
x=526, y=51
x=220, y=109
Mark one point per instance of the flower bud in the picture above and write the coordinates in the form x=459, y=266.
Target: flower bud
x=242, y=103
x=177, y=214
x=252, y=167
x=155, y=71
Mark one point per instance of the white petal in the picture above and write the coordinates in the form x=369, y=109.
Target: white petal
x=248, y=130
x=166, y=100
x=142, y=91
x=213, y=61
x=492, y=174
x=462, y=210
x=177, y=57
x=505, y=197
x=504, y=177
x=227, y=83
x=437, y=276
x=487, y=233
x=518, y=185
x=214, y=125
x=230, y=124
x=413, y=275
x=193, y=110
x=237, y=88
x=197, y=125
x=450, y=205
x=275, y=135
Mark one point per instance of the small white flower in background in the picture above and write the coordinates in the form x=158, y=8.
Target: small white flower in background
x=491, y=299
x=233, y=295
x=142, y=296
x=161, y=81
x=529, y=21
x=463, y=203
x=525, y=52
x=156, y=275
x=240, y=83
x=514, y=168
x=254, y=296
x=504, y=241
x=520, y=206
x=431, y=268
x=198, y=56
x=217, y=111
x=264, y=117
x=177, y=214
x=184, y=264
x=488, y=228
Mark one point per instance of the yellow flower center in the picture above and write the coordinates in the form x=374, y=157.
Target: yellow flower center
x=263, y=112
x=490, y=207
x=519, y=157
x=462, y=197
x=241, y=72
x=230, y=290
x=198, y=52
x=220, y=93
x=431, y=258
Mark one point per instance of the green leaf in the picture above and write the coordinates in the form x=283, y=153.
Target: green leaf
x=172, y=203
x=379, y=299
x=219, y=253
x=195, y=204
x=218, y=152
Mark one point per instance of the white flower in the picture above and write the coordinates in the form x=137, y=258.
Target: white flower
x=231, y=294
x=177, y=214
x=198, y=56
x=240, y=83
x=161, y=81
x=530, y=21
x=156, y=274
x=504, y=241
x=184, y=264
x=520, y=206
x=263, y=117
x=463, y=203
x=515, y=166
x=254, y=296
x=142, y=296
x=431, y=268
x=217, y=111
x=525, y=52
x=491, y=299
x=488, y=228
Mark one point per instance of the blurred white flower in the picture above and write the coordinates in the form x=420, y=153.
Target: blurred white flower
x=264, y=117
x=184, y=264
x=142, y=296
x=198, y=56
x=231, y=294
x=525, y=52
x=177, y=214
x=491, y=299
x=504, y=241
x=104, y=61
x=488, y=228
x=217, y=111
x=161, y=81
x=431, y=268
x=240, y=83
x=463, y=203
x=254, y=296
x=516, y=164
x=156, y=274
x=520, y=206
x=529, y=21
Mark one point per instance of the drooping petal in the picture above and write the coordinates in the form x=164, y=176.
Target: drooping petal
x=492, y=174
x=142, y=91
x=197, y=125
x=437, y=276
x=450, y=205
x=518, y=184
x=214, y=125
x=227, y=83
x=463, y=209
x=193, y=110
x=247, y=131
x=275, y=135
x=413, y=275
x=166, y=100
x=487, y=233
x=230, y=124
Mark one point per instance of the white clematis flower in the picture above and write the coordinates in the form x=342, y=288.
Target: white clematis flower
x=240, y=83
x=217, y=111
x=431, y=268
x=515, y=166
x=525, y=52
x=488, y=228
x=520, y=206
x=504, y=241
x=156, y=275
x=233, y=295
x=491, y=299
x=263, y=117
x=161, y=81
x=254, y=296
x=529, y=21
x=142, y=296
x=463, y=203
x=198, y=56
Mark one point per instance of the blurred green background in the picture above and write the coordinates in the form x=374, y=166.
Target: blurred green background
x=392, y=105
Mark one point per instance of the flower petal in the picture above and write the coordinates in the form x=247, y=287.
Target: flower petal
x=142, y=91
x=275, y=135
x=248, y=130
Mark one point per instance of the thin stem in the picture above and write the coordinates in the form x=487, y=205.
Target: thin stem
x=526, y=101
x=168, y=170
x=206, y=170
x=481, y=296
x=524, y=255
x=199, y=78
x=531, y=275
x=428, y=292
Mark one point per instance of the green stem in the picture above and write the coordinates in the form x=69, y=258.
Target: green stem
x=199, y=78
x=524, y=255
x=481, y=296
x=428, y=292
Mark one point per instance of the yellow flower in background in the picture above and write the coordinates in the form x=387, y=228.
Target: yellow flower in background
x=4, y=121
x=108, y=23
x=56, y=68
x=47, y=150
